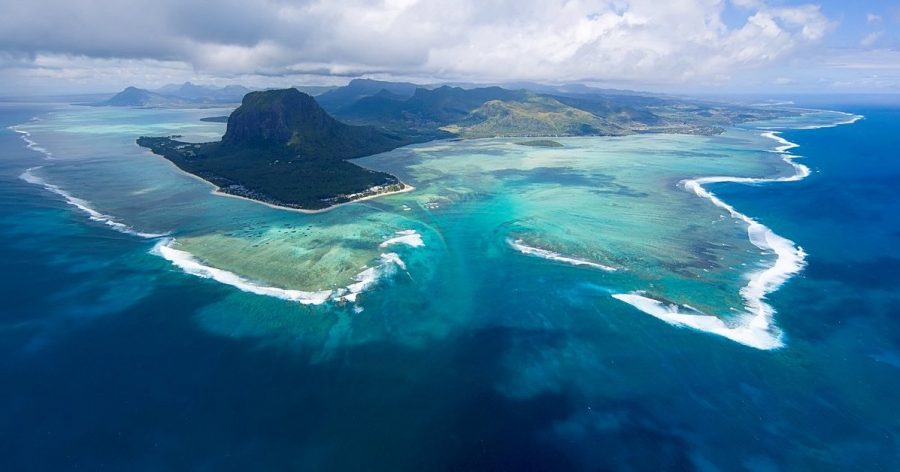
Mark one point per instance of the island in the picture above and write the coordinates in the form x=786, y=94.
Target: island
x=288, y=149
x=281, y=148
x=186, y=95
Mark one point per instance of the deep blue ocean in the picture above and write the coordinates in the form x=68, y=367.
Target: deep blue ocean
x=104, y=365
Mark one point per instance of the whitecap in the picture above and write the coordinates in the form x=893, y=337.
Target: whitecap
x=850, y=119
x=30, y=143
x=408, y=237
x=755, y=327
x=523, y=248
x=190, y=265
x=83, y=205
x=750, y=332
x=365, y=280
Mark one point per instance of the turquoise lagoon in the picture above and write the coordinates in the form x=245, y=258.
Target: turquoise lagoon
x=629, y=214
x=575, y=308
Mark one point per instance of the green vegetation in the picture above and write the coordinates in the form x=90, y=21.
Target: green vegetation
x=534, y=116
x=494, y=111
x=282, y=148
x=184, y=95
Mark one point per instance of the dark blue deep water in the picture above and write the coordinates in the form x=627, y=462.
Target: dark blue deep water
x=104, y=366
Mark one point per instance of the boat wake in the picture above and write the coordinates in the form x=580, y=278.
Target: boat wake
x=387, y=265
x=755, y=327
x=83, y=205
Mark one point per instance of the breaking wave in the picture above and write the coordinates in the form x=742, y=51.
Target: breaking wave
x=523, y=248
x=30, y=143
x=755, y=327
x=84, y=205
x=387, y=265
x=408, y=237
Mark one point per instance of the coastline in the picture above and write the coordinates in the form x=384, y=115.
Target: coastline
x=755, y=327
x=218, y=191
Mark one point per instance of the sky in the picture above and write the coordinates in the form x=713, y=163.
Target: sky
x=718, y=46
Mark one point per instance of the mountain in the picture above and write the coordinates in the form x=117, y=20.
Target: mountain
x=425, y=109
x=568, y=110
x=294, y=120
x=450, y=104
x=281, y=147
x=568, y=89
x=340, y=97
x=202, y=93
x=488, y=112
x=186, y=94
x=314, y=90
x=534, y=116
x=135, y=97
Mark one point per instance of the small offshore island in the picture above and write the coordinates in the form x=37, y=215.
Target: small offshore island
x=288, y=149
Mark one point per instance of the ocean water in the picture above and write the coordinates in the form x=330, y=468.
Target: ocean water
x=638, y=303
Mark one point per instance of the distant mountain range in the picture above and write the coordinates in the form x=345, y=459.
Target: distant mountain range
x=520, y=109
x=569, y=110
x=189, y=95
x=357, y=89
x=186, y=94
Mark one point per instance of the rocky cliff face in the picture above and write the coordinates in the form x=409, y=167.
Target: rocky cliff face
x=291, y=123
x=278, y=117
x=281, y=147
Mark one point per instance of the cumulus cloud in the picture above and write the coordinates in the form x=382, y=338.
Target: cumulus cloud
x=870, y=39
x=643, y=41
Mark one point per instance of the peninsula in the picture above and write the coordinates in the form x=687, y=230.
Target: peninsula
x=283, y=149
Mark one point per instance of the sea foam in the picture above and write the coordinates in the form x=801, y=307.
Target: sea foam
x=408, y=237
x=850, y=119
x=748, y=332
x=523, y=248
x=83, y=205
x=189, y=264
x=755, y=327
x=387, y=265
x=30, y=143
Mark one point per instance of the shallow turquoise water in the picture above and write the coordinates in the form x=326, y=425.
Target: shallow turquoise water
x=479, y=354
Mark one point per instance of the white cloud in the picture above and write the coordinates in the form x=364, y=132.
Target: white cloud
x=874, y=59
x=636, y=41
x=870, y=39
x=747, y=3
x=873, y=18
